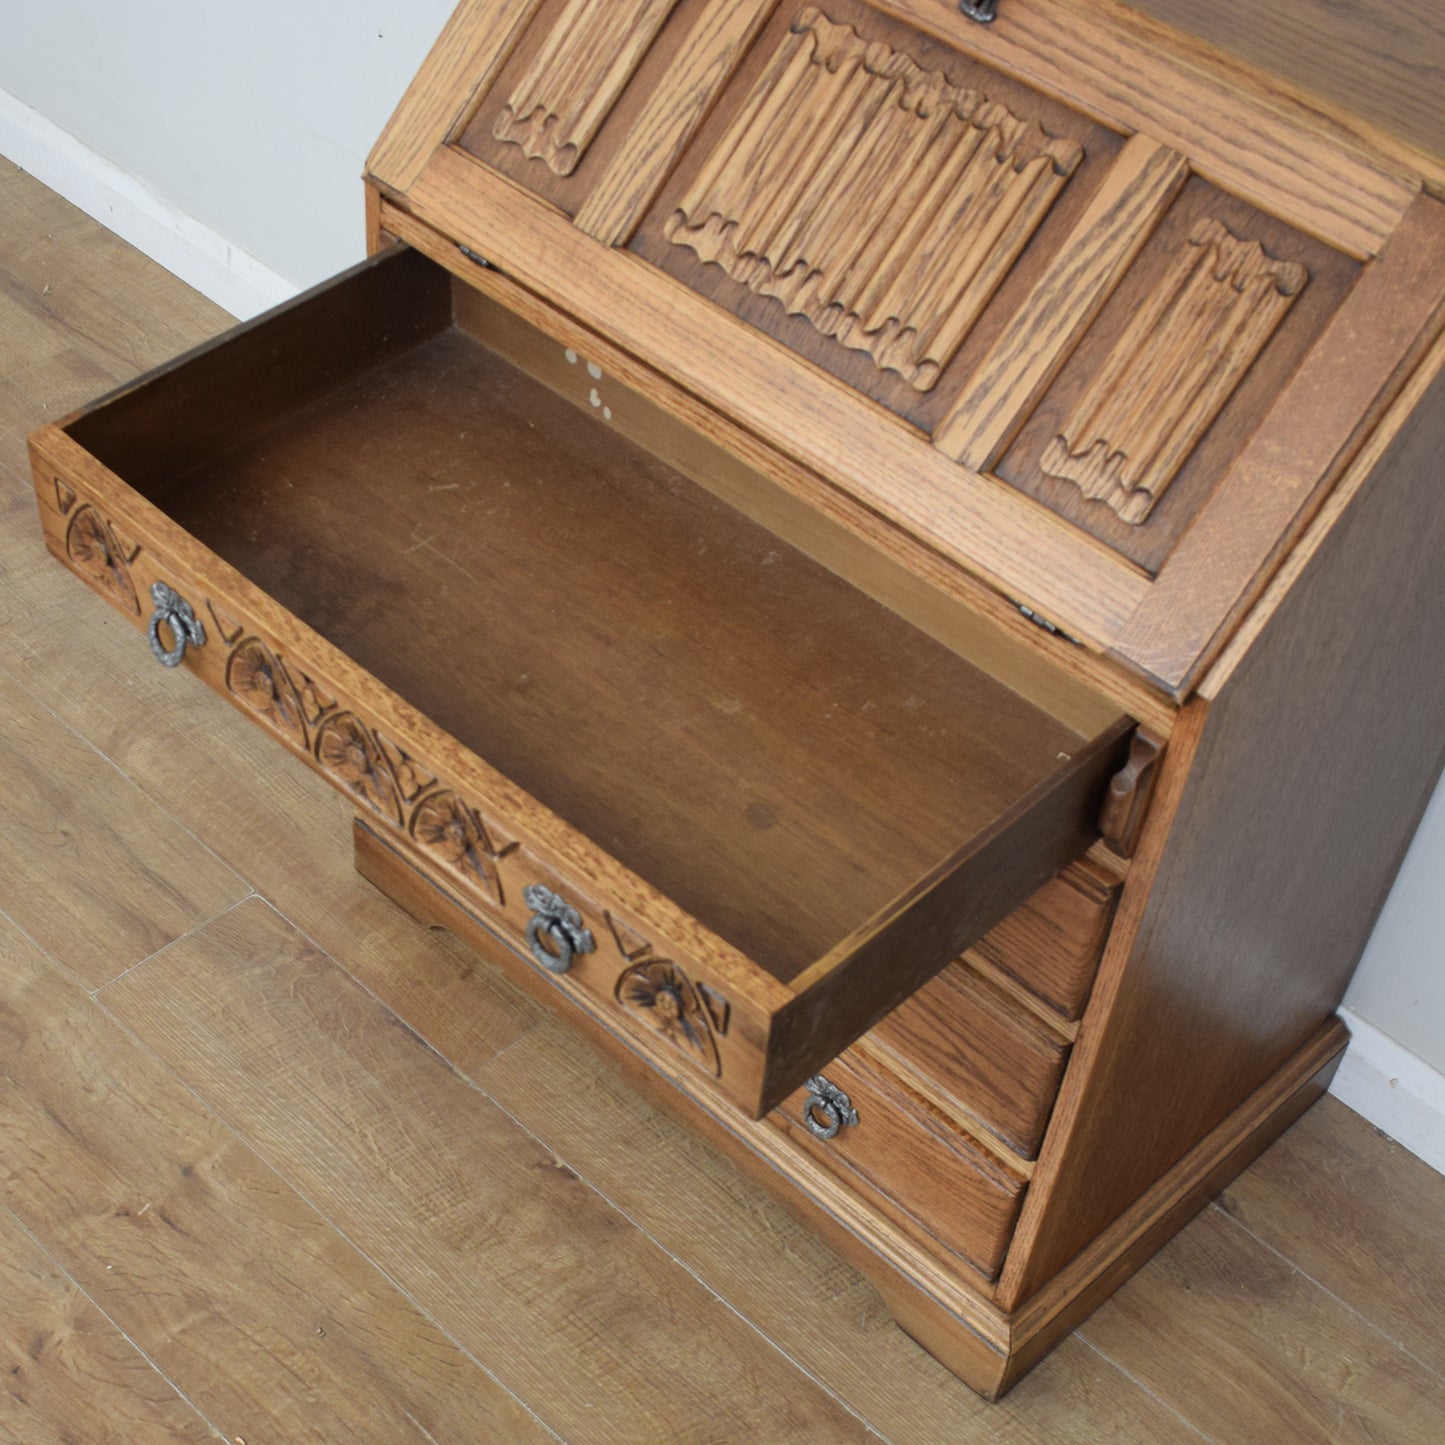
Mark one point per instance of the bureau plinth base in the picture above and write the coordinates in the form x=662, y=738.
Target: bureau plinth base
x=950, y=1313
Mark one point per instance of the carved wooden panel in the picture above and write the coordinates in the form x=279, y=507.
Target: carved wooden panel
x=99, y=553
x=402, y=793
x=1173, y=369
x=871, y=196
x=574, y=80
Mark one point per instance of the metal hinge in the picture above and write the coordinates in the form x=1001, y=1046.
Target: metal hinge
x=984, y=11
x=473, y=256
x=1051, y=628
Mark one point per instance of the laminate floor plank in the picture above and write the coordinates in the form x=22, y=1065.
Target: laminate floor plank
x=90, y=867
x=721, y=1225
x=69, y=1374
x=570, y=1305
x=88, y=287
x=266, y=1318
x=1250, y=1348
x=1361, y=1215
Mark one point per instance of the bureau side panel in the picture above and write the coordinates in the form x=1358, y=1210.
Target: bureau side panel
x=1284, y=811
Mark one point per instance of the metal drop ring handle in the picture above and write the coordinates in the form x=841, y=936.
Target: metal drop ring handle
x=556, y=921
x=827, y=1108
x=175, y=612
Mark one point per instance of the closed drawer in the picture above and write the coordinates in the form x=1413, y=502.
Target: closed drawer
x=976, y=1054
x=730, y=795
x=1052, y=943
x=907, y=1161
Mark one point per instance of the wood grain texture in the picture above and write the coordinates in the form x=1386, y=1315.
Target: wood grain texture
x=90, y=867
x=841, y=176
x=71, y=1375
x=466, y=57
x=1172, y=371
x=1140, y=185
x=1342, y=389
x=1359, y=1214
x=1052, y=944
x=1304, y=868
x=270, y=1322
x=1313, y=169
x=1121, y=819
x=513, y=1255
x=1354, y=1385
x=635, y=173
x=720, y=1223
x=970, y=1051
x=807, y=415
x=1380, y=62
x=574, y=80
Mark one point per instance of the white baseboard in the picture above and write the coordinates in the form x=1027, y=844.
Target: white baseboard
x=1392, y=1088
x=201, y=257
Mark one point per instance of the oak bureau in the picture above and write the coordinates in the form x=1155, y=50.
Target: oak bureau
x=887, y=565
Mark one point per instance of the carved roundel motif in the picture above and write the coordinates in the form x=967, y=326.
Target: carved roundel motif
x=257, y=679
x=445, y=826
x=659, y=992
x=90, y=544
x=350, y=754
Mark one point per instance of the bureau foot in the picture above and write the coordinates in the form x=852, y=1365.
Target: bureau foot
x=949, y=1312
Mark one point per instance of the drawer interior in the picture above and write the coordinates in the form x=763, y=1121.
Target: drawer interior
x=775, y=751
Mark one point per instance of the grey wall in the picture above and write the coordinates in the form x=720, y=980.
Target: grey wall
x=255, y=119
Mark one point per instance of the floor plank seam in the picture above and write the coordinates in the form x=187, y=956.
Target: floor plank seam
x=682, y=1264
x=114, y=1324
x=179, y=938
x=157, y=803
x=246, y=1144
x=1372, y=1325
x=1139, y=1385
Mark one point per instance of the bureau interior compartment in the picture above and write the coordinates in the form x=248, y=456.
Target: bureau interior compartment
x=787, y=760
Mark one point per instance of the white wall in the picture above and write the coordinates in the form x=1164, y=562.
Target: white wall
x=251, y=118
x=243, y=128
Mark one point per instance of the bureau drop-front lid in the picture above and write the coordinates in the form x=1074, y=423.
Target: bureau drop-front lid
x=1095, y=320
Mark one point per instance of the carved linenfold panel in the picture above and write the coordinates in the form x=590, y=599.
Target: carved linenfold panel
x=871, y=196
x=92, y=547
x=589, y=55
x=1173, y=369
x=658, y=991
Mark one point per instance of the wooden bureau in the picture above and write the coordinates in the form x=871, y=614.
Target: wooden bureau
x=885, y=566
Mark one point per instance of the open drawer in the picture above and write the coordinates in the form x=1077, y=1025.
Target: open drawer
x=698, y=776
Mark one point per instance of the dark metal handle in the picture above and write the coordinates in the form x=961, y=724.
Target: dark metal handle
x=555, y=932
x=984, y=11
x=827, y=1108
x=175, y=612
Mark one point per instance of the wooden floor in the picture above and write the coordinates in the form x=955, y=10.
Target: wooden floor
x=277, y=1166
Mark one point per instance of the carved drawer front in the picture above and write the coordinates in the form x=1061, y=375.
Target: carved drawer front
x=890, y=1147
x=698, y=776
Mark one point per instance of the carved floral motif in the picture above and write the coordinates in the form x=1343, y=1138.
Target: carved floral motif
x=257, y=680
x=98, y=555
x=347, y=750
x=871, y=196
x=446, y=827
x=658, y=991
x=1171, y=372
